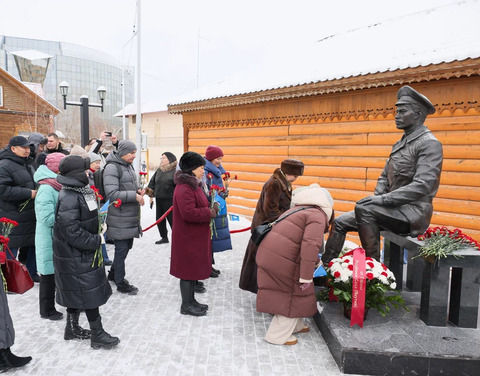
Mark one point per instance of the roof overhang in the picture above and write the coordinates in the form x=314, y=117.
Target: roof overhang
x=457, y=68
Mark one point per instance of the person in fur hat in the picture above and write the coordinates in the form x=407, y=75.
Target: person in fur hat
x=161, y=186
x=286, y=260
x=274, y=199
x=191, y=257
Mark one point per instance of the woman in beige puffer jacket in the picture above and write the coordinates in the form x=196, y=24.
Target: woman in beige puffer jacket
x=286, y=260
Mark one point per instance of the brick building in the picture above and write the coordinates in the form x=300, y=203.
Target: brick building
x=22, y=111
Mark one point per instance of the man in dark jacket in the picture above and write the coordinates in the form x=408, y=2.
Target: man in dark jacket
x=123, y=223
x=54, y=145
x=17, y=192
x=402, y=202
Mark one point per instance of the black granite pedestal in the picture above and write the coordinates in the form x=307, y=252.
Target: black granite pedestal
x=399, y=344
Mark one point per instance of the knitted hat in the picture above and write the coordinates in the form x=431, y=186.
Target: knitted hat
x=213, y=152
x=73, y=163
x=37, y=138
x=52, y=161
x=313, y=195
x=94, y=157
x=190, y=161
x=78, y=150
x=18, y=141
x=170, y=156
x=292, y=167
x=125, y=147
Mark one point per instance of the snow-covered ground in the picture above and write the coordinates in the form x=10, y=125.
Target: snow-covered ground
x=156, y=339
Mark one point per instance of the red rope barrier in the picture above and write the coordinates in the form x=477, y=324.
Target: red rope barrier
x=159, y=219
x=241, y=230
x=168, y=212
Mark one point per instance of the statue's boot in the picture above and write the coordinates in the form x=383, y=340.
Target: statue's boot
x=370, y=238
x=333, y=246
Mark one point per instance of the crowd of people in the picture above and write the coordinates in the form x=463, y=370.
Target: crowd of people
x=54, y=196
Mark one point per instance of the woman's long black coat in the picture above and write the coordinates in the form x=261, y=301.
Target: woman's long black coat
x=75, y=239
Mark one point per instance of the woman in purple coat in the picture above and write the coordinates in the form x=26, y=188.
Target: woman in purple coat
x=191, y=258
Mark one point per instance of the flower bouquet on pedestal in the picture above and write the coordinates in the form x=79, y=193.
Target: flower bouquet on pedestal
x=379, y=284
x=440, y=242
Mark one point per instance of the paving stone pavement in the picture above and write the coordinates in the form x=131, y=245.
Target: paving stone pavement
x=156, y=339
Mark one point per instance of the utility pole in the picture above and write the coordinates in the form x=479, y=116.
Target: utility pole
x=138, y=122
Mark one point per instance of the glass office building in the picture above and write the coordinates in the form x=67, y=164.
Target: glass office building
x=83, y=68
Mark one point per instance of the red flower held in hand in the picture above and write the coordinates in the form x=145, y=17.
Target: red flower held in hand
x=117, y=203
x=210, y=176
x=142, y=173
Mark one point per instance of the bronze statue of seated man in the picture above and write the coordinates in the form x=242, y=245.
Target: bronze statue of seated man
x=402, y=202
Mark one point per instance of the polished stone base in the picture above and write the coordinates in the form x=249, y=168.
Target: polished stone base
x=398, y=344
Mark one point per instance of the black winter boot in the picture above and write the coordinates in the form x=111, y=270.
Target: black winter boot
x=100, y=338
x=199, y=287
x=188, y=305
x=203, y=307
x=73, y=330
x=8, y=360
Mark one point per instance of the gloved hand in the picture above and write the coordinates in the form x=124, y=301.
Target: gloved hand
x=104, y=228
x=216, y=206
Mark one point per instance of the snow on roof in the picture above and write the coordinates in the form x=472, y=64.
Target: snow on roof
x=31, y=54
x=442, y=34
x=147, y=107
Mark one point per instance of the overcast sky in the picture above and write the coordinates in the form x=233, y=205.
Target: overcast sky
x=234, y=35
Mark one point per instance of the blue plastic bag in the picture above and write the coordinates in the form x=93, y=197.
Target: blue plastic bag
x=222, y=203
x=319, y=272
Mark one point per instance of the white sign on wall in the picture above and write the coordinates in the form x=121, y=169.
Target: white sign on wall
x=1, y=96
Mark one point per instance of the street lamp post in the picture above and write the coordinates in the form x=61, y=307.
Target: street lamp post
x=84, y=105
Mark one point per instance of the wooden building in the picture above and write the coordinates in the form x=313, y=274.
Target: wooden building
x=22, y=111
x=343, y=129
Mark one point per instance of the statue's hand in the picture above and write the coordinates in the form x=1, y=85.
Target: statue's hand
x=369, y=200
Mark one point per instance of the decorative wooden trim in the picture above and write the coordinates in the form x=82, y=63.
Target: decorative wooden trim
x=455, y=69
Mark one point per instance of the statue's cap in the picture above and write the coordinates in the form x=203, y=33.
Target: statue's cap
x=408, y=95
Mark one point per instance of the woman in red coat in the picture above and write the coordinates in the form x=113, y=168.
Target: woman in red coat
x=191, y=258
x=286, y=259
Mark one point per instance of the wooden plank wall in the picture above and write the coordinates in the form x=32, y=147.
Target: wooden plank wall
x=346, y=157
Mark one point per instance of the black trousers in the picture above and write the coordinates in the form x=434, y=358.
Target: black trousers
x=92, y=314
x=162, y=205
x=46, y=294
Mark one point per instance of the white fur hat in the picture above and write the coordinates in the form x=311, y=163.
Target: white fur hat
x=313, y=194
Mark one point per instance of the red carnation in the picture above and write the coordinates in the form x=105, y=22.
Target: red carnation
x=369, y=275
x=330, y=264
x=235, y=177
x=95, y=189
x=117, y=203
x=384, y=274
x=346, y=261
x=99, y=196
x=336, y=274
x=12, y=222
x=210, y=176
x=350, y=267
x=370, y=265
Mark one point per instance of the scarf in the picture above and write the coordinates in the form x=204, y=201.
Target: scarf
x=52, y=183
x=85, y=191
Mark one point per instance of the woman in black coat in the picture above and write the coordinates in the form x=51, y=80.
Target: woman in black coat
x=81, y=283
x=17, y=194
x=161, y=186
